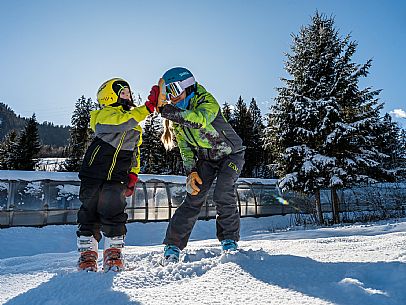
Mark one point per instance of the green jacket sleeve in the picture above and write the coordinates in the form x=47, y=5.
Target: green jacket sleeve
x=187, y=154
x=203, y=112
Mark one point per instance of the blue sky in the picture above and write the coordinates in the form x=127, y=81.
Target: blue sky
x=52, y=52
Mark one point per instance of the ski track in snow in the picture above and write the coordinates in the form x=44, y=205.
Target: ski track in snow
x=348, y=265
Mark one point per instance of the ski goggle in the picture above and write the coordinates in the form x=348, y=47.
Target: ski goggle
x=173, y=90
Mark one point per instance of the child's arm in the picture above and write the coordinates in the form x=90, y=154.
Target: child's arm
x=137, y=165
x=111, y=119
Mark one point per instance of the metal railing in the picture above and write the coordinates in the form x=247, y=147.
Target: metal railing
x=34, y=199
x=43, y=198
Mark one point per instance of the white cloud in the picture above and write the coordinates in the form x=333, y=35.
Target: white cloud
x=399, y=113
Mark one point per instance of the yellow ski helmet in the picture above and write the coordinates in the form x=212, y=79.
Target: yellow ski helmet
x=109, y=91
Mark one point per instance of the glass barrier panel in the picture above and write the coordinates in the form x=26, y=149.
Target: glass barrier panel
x=4, y=193
x=64, y=196
x=178, y=193
x=158, y=208
x=29, y=196
x=246, y=200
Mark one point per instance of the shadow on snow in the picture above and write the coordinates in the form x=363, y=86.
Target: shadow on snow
x=79, y=288
x=344, y=283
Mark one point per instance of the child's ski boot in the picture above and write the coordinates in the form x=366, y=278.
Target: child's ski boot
x=87, y=246
x=113, y=256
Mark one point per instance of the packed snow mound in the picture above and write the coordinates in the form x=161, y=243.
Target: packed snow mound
x=346, y=265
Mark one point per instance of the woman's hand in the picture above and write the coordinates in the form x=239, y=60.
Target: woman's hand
x=162, y=94
x=191, y=181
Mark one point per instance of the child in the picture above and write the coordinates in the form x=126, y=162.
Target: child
x=109, y=174
x=210, y=149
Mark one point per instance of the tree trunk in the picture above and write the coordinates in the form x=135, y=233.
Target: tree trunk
x=319, y=211
x=335, y=206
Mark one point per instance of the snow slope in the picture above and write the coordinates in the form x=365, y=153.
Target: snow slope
x=348, y=265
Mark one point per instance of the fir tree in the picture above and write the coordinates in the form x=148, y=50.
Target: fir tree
x=152, y=149
x=256, y=154
x=27, y=147
x=402, y=161
x=321, y=127
x=7, y=150
x=388, y=142
x=174, y=162
x=227, y=112
x=80, y=133
x=155, y=159
x=242, y=124
x=402, y=140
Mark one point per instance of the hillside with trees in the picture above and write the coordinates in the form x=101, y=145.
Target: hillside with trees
x=49, y=134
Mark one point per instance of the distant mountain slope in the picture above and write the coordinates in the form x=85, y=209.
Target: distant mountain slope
x=49, y=133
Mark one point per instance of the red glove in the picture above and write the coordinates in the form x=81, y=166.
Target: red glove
x=132, y=180
x=152, y=101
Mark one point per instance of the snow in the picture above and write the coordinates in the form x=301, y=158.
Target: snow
x=346, y=265
x=37, y=175
x=50, y=164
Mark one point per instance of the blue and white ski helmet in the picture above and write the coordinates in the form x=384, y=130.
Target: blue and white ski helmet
x=179, y=74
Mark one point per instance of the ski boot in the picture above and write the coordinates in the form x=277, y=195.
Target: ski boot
x=113, y=256
x=171, y=254
x=229, y=245
x=87, y=246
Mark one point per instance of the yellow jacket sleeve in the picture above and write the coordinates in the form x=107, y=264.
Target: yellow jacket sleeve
x=116, y=118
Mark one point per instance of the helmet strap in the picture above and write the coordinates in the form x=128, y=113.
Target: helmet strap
x=126, y=104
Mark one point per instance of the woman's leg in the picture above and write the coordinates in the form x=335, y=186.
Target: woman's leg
x=182, y=222
x=228, y=217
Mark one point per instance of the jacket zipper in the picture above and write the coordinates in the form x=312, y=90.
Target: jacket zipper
x=225, y=135
x=94, y=153
x=113, y=163
x=191, y=136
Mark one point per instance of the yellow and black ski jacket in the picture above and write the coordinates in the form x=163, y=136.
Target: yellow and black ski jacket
x=114, y=152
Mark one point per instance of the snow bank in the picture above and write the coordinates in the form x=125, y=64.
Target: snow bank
x=346, y=265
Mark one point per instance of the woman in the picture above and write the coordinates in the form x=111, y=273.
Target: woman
x=210, y=149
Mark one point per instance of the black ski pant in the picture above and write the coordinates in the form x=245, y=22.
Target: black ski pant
x=102, y=209
x=227, y=171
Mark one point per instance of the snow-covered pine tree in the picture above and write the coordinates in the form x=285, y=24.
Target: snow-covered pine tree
x=27, y=147
x=256, y=154
x=155, y=159
x=388, y=142
x=242, y=124
x=80, y=133
x=7, y=150
x=321, y=127
x=402, y=160
x=173, y=162
x=227, y=112
x=152, y=149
